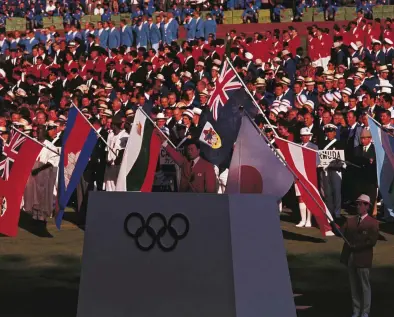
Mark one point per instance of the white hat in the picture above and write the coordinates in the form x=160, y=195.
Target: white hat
x=248, y=56
x=285, y=81
x=187, y=74
x=358, y=75
x=188, y=113
x=285, y=52
x=107, y=113
x=355, y=60
x=383, y=69
x=328, y=98
x=301, y=99
x=23, y=121
x=300, y=78
x=215, y=68
x=275, y=110
x=305, y=131
x=204, y=93
x=346, y=91
x=310, y=103
x=11, y=94
x=20, y=93
x=337, y=96
x=83, y=88
x=197, y=111
x=338, y=76
x=286, y=103
x=354, y=46
x=385, y=90
x=276, y=103
x=330, y=126
x=129, y=113
x=260, y=82
x=359, y=44
x=62, y=118
x=388, y=41
x=102, y=106
x=200, y=63
x=160, y=77
x=161, y=116
x=276, y=59
x=51, y=124
x=364, y=198
x=309, y=81
x=337, y=44
x=108, y=86
x=375, y=41
x=217, y=62
x=283, y=108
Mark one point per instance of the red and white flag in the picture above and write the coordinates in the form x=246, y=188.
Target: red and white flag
x=16, y=163
x=303, y=163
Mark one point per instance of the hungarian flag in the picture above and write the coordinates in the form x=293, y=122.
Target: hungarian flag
x=302, y=162
x=77, y=145
x=140, y=157
x=16, y=163
x=254, y=168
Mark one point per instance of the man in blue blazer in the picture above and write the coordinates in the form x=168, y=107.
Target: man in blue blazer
x=289, y=66
x=30, y=41
x=169, y=29
x=141, y=34
x=114, y=36
x=190, y=27
x=126, y=34
x=199, y=25
x=209, y=26
x=102, y=34
x=154, y=34
x=173, y=25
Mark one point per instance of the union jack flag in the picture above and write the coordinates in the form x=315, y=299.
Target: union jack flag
x=226, y=82
x=10, y=152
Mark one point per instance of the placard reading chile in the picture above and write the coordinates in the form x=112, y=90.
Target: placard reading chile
x=329, y=158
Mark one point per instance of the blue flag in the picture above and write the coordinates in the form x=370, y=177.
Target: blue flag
x=384, y=148
x=77, y=146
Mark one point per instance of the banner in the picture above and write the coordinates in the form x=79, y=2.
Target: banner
x=329, y=158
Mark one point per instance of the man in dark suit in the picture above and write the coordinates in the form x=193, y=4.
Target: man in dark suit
x=98, y=158
x=364, y=156
x=361, y=232
x=197, y=174
x=189, y=61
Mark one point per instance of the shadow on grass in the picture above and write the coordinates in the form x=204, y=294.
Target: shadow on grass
x=323, y=284
x=287, y=235
x=36, y=228
x=48, y=290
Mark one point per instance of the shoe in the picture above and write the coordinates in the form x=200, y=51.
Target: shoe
x=356, y=315
x=301, y=224
x=330, y=233
x=365, y=315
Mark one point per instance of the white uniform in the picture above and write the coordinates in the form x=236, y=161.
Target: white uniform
x=117, y=143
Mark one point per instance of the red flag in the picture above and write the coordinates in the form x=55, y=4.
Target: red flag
x=303, y=163
x=16, y=163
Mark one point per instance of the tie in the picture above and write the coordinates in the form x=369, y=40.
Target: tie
x=192, y=165
x=359, y=220
x=112, y=73
x=365, y=149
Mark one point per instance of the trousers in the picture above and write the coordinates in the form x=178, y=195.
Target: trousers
x=360, y=288
x=331, y=183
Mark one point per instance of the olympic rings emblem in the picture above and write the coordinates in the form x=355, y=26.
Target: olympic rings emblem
x=145, y=226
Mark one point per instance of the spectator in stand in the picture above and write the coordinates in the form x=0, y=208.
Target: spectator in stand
x=250, y=14
x=217, y=14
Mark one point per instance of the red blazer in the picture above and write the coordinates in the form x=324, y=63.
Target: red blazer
x=200, y=179
x=69, y=66
x=363, y=238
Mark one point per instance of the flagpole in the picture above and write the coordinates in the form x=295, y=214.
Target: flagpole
x=250, y=95
x=94, y=129
x=332, y=222
x=154, y=123
x=36, y=141
x=318, y=152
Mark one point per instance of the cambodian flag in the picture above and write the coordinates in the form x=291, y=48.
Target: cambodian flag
x=78, y=142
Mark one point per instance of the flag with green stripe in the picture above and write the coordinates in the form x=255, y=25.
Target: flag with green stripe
x=139, y=162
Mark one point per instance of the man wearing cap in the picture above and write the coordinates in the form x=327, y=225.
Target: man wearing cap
x=353, y=53
x=362, y=232
x=377, y=54
x=306, y=215
x=331, y=176
x=289, y=66
x=388, y=51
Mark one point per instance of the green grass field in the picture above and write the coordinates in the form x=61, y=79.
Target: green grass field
x=40, y=276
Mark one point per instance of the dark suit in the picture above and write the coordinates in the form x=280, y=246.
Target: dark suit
x=365, y=178
x=98, y=160
x=189, y=65
x=200, y=178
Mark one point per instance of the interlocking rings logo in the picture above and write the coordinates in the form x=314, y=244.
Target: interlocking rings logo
x=145, y=226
